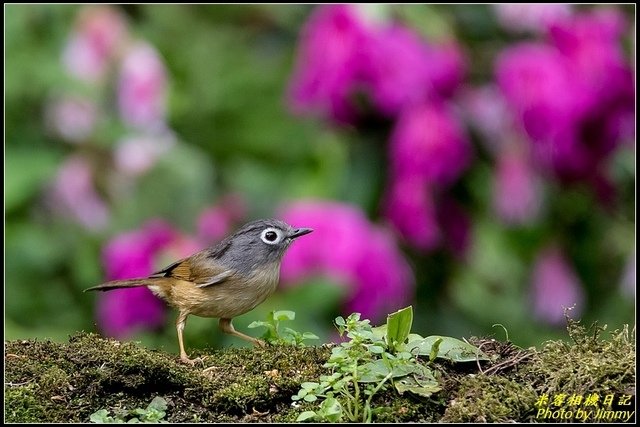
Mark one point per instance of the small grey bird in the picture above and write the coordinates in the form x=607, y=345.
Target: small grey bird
x=222, y=281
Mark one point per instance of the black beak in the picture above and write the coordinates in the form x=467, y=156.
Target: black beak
x=300, y=232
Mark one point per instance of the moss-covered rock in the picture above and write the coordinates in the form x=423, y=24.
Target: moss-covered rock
x=67, y=382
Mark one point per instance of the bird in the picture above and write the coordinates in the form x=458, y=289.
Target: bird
x=224, y=280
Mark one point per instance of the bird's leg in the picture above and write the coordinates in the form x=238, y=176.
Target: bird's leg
x=227, y=328
x=180, y=322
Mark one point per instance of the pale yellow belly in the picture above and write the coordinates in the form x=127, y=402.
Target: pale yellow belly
x=224, y=300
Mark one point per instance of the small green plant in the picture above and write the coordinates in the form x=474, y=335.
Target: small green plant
x=371, y=360
x=288, y=336
x=154, y=413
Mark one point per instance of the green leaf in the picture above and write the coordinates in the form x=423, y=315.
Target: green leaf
x=310, y=398
x=310, y=336
x=424, y=388
x=331, y=409
x=259, y=323
x=435, y=349
x=284, y=315
x=379, y=332
x=158, y=403
x=101, y=416
x=399, y=327
x=306, y=415
x=449, y=348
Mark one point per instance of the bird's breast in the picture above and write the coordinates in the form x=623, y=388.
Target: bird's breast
x=235, y=296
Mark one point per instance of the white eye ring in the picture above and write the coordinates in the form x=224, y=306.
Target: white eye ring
x=278, y=238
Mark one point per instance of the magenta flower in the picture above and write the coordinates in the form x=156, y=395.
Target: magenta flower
x=516, y=188
x=142, y=87
x=411, y=211
x=429, y=144
x=574, y=96
x=73, y=194
x=401, y=70
x=123, y=312
x=328, y=63
x=536, y=18
x=215, y=222
x=72, y=118
x=100, y=32
x=554, y=285
x=346, y=247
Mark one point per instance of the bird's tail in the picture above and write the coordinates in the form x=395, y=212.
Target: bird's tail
x=119, y=284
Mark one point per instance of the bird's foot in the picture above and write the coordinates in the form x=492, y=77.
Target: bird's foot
x=185, y=359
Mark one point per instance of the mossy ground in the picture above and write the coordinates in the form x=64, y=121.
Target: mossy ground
x=67, y=382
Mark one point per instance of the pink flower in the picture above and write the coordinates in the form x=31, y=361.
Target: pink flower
x=328, y=63
x=554, y=285
x=410, y=208
x=142, y=87
x=516, y=188
x=100, y=32
x=123, y=312
x=545, y=96
x=134, y=155
x=215, y=222
x=429, y=144
x=486, y=110
x=536, y=18
x=72, y=118
x=574, y=96
x=348, y=248
x=73, y=194
x=402, y=70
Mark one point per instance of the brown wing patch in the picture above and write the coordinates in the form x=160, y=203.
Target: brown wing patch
x=181, y=271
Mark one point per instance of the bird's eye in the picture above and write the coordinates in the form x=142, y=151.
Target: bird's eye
x=271, y=236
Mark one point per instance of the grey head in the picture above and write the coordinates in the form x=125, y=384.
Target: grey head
x=258, y=243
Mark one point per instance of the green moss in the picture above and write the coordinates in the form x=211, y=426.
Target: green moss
x=589, y=364
x=67, y=382
x=490, y=398
x=22, y=405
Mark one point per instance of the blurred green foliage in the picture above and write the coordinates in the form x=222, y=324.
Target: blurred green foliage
x=228, y=68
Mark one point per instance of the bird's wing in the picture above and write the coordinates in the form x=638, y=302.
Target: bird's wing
x=191, y=270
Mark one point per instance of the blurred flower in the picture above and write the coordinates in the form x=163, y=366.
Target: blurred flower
x=573, y=96
x=516, y=188
x=73, y=194
x=343, y=54
x=99, y=33
x=142, y=87
x=554, y=285
x=485, y=109
x=346, y=247
x=428, y=143
x=215, y=222
x=72, y=118
x=329, y=57
x=401, y=70
x=122, y=312
x=410, y=209
x=535, y=18
x=456, y=226
x=136, y=154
